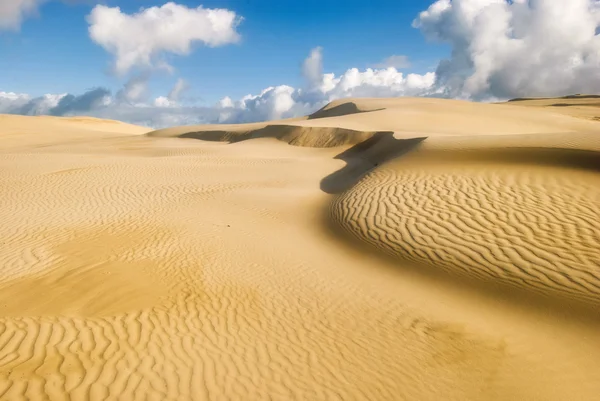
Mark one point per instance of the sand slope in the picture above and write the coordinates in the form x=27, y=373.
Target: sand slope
x=403, y=249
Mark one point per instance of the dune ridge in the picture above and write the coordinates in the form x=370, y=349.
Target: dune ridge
x=350, y=121
x=314, y=137
x=343, y=107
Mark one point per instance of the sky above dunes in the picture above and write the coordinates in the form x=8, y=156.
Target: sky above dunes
x=167, y=63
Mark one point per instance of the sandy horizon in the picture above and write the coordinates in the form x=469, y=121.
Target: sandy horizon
x=377, y=249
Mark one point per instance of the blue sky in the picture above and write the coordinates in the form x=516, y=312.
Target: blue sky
x=53, y=53
x=160, y=63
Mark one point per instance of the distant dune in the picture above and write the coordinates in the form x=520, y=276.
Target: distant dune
x=404, y=116
x=582, y=106
x=401, y=249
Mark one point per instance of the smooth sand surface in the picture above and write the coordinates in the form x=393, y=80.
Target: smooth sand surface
x=403, y=249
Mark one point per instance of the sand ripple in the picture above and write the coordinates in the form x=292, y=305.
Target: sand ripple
x=534, y=227
x=141, y=268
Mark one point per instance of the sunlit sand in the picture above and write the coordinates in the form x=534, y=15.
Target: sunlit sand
x=379, y=249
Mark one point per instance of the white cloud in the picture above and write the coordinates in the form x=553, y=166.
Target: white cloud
x=53, y=104
x=139, y=40
x=387, y=82
x=503, y=49
x=272, y=103
x=226, y=102
x=13, y=12
x=162, y=101
x=312, y=67
x=12, y=97
x=20, y=103
x=397, y=61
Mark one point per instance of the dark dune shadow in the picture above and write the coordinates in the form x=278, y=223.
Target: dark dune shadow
x=581, y=97
x=521, y=99
x=341, y=110
x=364, y=157
x=575, y=104
x=212, y=136
x=539, y=156
x=296, y=135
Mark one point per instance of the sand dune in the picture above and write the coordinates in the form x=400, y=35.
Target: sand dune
x=527, y=216
x=582, y=106
x=402, y=249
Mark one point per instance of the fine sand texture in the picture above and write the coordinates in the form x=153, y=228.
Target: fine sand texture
x=378, y=249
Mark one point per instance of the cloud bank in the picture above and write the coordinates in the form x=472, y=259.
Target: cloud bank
x=504, y=49
x=132, y=104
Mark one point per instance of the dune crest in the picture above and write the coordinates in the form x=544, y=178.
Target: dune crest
x=342, y=108
x=313, y=137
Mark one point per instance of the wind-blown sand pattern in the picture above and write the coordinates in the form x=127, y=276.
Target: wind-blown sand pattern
x=532, y=226
x=403, y=249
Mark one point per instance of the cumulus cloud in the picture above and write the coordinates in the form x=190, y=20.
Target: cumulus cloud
x=140, y=39
x=20, y=103
x=397, y=61
x=53, y=104
x=387, y=82
x=273, y=103
x=13, y=12
x=503, y=49
x=90, y=100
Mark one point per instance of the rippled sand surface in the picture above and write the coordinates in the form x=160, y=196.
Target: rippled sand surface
x=379, y=249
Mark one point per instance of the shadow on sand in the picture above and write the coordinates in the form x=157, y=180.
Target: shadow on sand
x=521, y=99
x=575, y=104
x=364, y=157
x=341, y=110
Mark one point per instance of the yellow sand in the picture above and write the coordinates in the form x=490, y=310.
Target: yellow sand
x=404, y=249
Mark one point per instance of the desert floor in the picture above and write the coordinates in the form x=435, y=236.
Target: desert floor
x=379, y=249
